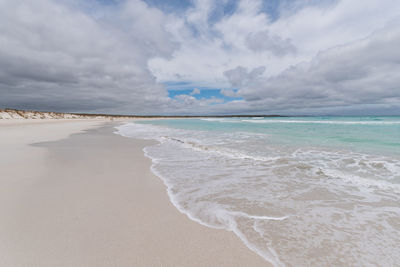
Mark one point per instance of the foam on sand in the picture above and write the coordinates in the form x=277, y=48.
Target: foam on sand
x=292, y=203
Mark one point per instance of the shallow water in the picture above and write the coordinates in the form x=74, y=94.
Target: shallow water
x=312, y=191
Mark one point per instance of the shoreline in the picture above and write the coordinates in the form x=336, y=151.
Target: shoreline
x=87, y=197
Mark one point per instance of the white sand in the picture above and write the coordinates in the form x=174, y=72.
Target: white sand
x=90, y=200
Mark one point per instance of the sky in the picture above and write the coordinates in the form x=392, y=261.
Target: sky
x=201, y=57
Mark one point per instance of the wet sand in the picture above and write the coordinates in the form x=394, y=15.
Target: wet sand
x=90, y=199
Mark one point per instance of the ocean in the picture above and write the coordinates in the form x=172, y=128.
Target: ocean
x=299, y=191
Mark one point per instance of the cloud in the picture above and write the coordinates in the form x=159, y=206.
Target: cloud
x=309, y=56
x=196, y=91
x=248, y=37
x=240, y=76
x=264, y=41
x=185, y=99
x=54, y=56
x=187, y=104
x=364, y=72
x=314, y=58
x=229, y=92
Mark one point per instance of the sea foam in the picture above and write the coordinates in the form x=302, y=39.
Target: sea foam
x=292, y=203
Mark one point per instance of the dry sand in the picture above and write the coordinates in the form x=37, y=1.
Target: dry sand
x=90, y=199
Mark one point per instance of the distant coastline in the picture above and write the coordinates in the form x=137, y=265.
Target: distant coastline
x=32, y=114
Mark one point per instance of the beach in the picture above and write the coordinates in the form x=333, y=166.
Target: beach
x=73, y=193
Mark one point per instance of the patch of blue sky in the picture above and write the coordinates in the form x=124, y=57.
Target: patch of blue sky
x=204, y=93
x=272, y=8
x=223, y=8
x=108, y=2
x=185, y=84
x=178, y=85
x=169, y=6
x=220, y=10
x=96, y=8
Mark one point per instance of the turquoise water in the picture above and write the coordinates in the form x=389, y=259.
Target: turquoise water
x=299, y=191
x=373, y=134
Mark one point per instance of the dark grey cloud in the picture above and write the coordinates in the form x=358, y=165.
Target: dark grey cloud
x=365, y=72
x=240, y=76
x=55, y=57
x=262, y=41
x=82, y=56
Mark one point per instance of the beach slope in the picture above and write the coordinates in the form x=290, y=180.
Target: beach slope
x=90, y=199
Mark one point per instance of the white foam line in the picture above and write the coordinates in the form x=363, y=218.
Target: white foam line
x=272, y=257
x=257, y=217
x=327, y=122
x=222, y=120
x=362, y=182
x=210, y=119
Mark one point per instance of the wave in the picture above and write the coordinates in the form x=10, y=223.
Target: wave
x=326, y=122
x=221, y=120
x=328, y=163
x=212, y=119
x=229, y=153
x=266, y=193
